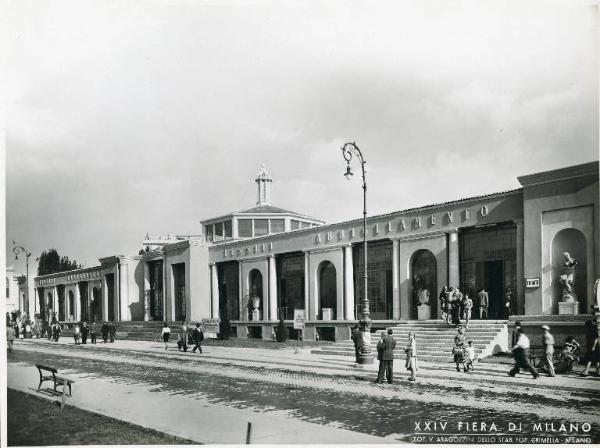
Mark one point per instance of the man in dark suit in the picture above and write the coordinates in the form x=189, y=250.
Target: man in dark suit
x=484, y=303
x=357, y=338
x=389, y=343
x=105, y=328
x=198, y=337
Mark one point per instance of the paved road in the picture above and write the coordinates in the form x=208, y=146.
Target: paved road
x=211, y=400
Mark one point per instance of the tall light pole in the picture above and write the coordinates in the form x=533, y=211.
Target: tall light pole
x=18, y=250
x=350, y=150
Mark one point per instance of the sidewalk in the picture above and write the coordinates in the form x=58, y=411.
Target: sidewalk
x=486, y=375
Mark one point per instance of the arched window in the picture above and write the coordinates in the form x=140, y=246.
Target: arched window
x=424, y=280
x=327, y=290
x=571, y=241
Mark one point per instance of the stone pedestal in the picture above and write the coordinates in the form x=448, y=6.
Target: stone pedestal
x=424, y=312
x=327, y=313
x=309, y=334
x=568, y=308
x=342, y=333
x=256, y=315
x=268, y=331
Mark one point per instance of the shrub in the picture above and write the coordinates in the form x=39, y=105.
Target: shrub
x=282, y=331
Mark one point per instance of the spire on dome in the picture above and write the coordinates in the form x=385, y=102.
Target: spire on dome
x=263, y=181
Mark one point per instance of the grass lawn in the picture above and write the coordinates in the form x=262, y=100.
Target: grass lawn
x=34, y=421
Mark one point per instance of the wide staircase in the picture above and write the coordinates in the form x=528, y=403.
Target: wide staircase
x=135, y=330
x=435, y=340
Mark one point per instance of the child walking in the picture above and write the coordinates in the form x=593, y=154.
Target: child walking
x=166, y=332
x=411, y=356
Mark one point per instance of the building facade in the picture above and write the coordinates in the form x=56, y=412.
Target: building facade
x=265, y=264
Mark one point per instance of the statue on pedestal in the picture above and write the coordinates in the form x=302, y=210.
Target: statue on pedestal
x=567, y=278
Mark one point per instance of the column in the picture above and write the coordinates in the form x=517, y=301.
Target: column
x=146, y=292
x=453, y=268
x=104, y=298
x=272, y=289
x=125, y=312
x=520, y=308
x=395, y=279
x=307, y=313
x=241, y=292
x=214, y=290
x=55, y=301
x=77, y=303
x=349, y=283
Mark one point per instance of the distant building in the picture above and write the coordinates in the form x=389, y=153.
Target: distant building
x=261, y=220
x=258, y=265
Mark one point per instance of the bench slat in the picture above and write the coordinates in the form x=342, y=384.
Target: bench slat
x=49, y=369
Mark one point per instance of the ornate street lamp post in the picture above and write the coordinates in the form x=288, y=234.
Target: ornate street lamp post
x=350, y=150
x=18, y=250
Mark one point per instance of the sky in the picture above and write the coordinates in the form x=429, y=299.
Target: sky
x=125, y=117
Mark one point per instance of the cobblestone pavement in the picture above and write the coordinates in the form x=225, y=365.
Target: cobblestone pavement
x=350, y=402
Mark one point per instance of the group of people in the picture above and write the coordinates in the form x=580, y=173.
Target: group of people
x=385, y=354
x=560, y=362
x=456, y=305
x=187, y=336
x=82, y=330
x=463, y=352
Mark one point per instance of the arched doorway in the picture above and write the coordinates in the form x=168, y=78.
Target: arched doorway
x=571, y=241
x=71, y=305
x=327, y=291
x=424, y=281
x=83, y=301
x=255, y=299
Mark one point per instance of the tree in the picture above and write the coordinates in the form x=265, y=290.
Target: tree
x=50, y=262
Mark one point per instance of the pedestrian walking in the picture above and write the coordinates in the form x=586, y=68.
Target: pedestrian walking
x=166, y=333
x=93, y=332
x=484, y=303
x=16, y=328
x=105, y=329
x=389, y=343
x=458, y=350
x=56, y=330
x=470, y=356
x=592, y=348
x=411, y=356
x=183, y=336
x=515, y=334
x=113, y=331
x=76, y=333
x=467, y=307
x=198, y=337
x=380, y=347
x=85, y=330
x=548, y=341
x=10, y=337
x=521, y=354
x=357, y=338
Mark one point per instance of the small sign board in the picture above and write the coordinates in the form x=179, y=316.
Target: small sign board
x=210, y=327
x=298, y=319
x=533, y=282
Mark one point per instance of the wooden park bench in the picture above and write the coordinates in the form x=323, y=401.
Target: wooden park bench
x=57, y=380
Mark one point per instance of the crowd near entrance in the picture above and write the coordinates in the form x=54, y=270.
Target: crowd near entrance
x=488, y=259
